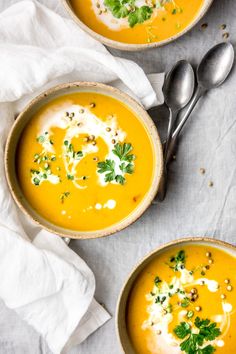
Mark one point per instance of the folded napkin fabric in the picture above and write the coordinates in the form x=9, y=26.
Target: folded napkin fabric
x=45, y=282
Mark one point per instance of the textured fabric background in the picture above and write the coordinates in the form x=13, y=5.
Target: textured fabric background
x=191, y=207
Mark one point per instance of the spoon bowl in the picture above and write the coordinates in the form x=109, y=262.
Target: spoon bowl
x=215, y=66
x=179, y=85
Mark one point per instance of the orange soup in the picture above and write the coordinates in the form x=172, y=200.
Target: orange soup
x=85, y=161
x=137, y=21
x=184, y=301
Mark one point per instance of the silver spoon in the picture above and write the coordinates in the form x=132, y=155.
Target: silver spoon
x=211, y=73
x=178, y=90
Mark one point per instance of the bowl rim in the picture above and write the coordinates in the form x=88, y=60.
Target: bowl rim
x=153, y=134
x=135, y=47
x=198, y=239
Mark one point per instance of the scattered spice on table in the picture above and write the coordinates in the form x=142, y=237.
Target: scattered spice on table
x=202, y=170
x=204, y=26
x=223, y=26
x=225, y=35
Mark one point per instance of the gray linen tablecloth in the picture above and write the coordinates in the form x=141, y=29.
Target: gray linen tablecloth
x=192, y=207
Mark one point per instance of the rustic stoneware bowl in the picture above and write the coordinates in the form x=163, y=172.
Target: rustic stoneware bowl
x=121, y=326
x=26, y=115
x=135, y=47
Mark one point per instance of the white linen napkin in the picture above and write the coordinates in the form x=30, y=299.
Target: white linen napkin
x=44, y=281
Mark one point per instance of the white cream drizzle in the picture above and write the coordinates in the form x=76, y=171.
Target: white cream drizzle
x=227, y=307
x=83, y=122
x=220, y=343
x=212, y=285
x=110, y=204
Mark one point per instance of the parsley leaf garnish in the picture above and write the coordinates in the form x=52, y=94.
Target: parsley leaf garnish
x=108, y=166
x=123, y=152
x=117, y=7
x=127, y=8
x=140, y=15
x=182, y=330
x=194, y=341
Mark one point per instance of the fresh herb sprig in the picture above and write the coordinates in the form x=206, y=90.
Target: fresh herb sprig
x=123, y=152
x=71, y=153
x=194, y=342
x=128, y=9
x=178, y=261
x=108, y=167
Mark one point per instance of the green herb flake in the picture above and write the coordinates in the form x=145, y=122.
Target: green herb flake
x=185, y=302
x=63, y=196
x=70, y=177
x=190, y=314
x=169, y=308
x=157, y=280
x=41, y=139
x=36, y=181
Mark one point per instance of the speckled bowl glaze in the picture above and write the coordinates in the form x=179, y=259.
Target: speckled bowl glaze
x=135, y=47
x=121, y=326
x=27, y=114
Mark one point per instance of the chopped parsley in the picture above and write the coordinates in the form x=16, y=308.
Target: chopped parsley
x=194, y=342
x=70, y=177
x=42, y=157
x=43, y=174
x=133, y=12
x=128, y=9
x=44, y=139
x=157, y=280
x=108, y=167
x=63, y=196
x=185, y=302
x=139, y=15
x=71, y=154
x=190, y=314
x=123, y=152
x=177, y=262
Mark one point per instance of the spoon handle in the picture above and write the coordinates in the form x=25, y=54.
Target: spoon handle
x=173, y=141
x=163, y=184
x=172, y=117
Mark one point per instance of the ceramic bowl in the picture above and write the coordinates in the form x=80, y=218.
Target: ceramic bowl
x=135, y=47
x=121, y=326
x=27, y=114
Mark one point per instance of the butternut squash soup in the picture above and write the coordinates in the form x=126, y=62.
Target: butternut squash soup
x=184, y=301
x=85, y=161
x=137, y=21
